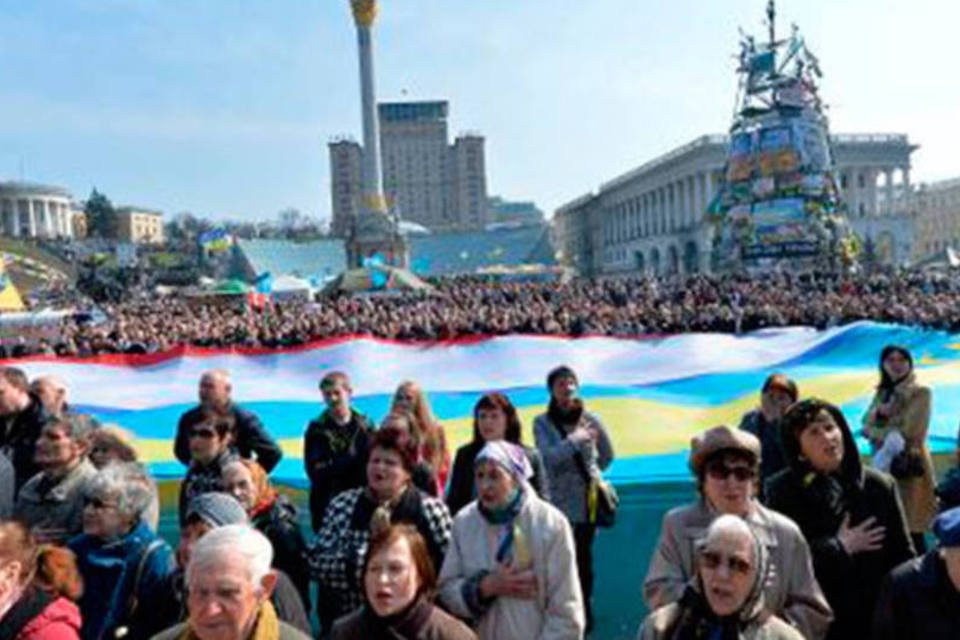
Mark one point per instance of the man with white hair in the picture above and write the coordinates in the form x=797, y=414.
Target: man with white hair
x=725, y=598
x=250, y=437
x=229, y=581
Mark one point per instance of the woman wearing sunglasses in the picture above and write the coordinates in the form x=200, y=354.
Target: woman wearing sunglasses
x=725, y=599
x=210, y=451
x=726, y=463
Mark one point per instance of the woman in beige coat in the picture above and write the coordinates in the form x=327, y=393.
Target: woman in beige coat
x=726, y=463
x=511, y=566
x=903, y=406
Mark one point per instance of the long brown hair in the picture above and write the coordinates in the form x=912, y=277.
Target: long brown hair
x=431, y=436
x=46, y=567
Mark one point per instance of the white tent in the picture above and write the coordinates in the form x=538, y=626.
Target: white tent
x=287, y=286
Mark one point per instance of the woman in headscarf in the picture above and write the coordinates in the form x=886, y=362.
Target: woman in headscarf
x=900, y=412
x=399, y=582
x=336, y=555
x=724, y=600
x=851, y=516
x=726, y=463
x=410, y=397
x=494, y=418
x=272, y=515
x=511, y=566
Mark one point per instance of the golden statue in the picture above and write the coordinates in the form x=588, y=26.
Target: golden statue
x=364, y=12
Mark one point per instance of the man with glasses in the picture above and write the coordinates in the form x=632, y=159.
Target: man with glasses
x=725, y=597
x=250, y=437
x=726, y=464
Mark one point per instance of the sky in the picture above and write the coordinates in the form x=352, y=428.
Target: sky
x=224, y=108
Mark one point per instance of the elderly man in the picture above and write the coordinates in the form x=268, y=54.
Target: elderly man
x=725, y=462
x=51, y=502
x=208, y=512
x=249, y=438
x=725, y=597
x=229, y=583
x=52, y=393
x=924, y=593
x=21, y=417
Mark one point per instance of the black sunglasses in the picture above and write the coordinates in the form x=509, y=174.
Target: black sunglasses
x=722, y=472
x=203, y=433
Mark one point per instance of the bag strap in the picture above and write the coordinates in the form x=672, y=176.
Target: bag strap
x=133, y=601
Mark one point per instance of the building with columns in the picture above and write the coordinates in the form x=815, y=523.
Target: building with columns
x=651, y=218
x=936, y=206
x=31, y=210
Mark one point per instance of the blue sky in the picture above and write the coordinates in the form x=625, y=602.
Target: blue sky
x=224, y=107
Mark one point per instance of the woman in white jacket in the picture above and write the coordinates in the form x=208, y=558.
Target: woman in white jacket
x=511, y=565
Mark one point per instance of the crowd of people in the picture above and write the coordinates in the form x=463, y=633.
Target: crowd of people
x=791, y=534
x=469, y=306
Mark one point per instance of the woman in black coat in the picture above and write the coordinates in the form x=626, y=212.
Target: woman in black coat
x=851, y=516
x=494, y=418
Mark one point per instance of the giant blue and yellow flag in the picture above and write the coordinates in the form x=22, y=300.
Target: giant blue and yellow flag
x=653, y=394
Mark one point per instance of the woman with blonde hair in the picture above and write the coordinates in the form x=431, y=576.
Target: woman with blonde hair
x=411, y=398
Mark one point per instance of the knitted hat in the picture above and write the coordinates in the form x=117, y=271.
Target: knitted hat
x=705, y=444
x=947, y=528
x=563, y=371
x=217, y=509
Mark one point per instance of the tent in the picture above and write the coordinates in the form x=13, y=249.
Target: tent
x=286, y=287
x=10, y=299
x=231, y=288
x=376, y=277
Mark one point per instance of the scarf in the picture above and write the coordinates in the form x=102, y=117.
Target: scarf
x=698, y=622
x=562, y=418
x=403, y=507
x=267, y=626
x=407, y=623
x=511, y=544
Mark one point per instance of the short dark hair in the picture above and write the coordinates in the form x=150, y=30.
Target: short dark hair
x=400, y=442
x=498, y=401
x=383, y=538
x=15, y=377
x=333, y=378
x=781, y=381
x=801, y=414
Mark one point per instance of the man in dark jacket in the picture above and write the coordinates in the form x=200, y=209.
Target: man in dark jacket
x=921, y=597
x=335, y=446
x=851, y=516
x=22, y=417
x=249, y=436
x=776, y=396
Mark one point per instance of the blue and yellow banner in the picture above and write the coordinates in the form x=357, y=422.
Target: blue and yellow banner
x=652, y=394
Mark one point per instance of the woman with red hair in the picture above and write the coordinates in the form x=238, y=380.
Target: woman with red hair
x=274, y=516
x=37, y=587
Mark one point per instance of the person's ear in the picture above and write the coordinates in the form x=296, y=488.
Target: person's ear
x=268, y=583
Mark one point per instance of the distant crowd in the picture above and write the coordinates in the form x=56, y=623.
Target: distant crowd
x=469, y=306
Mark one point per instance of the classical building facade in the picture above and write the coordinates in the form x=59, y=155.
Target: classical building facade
x=35, y=211
x=651, y=219
x=937, y=209
x=139, y=225
x=425, y=179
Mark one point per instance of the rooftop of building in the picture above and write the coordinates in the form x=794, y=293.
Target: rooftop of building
x=129, y=209
x=22, y=187
x=413, y=111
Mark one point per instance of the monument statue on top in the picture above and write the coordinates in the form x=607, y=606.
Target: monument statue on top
x=779, y=203
x=375, y=233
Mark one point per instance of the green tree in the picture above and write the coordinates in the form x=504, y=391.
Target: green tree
x=101, y=216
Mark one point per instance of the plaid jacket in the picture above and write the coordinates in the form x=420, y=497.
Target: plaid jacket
x=337, y=553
